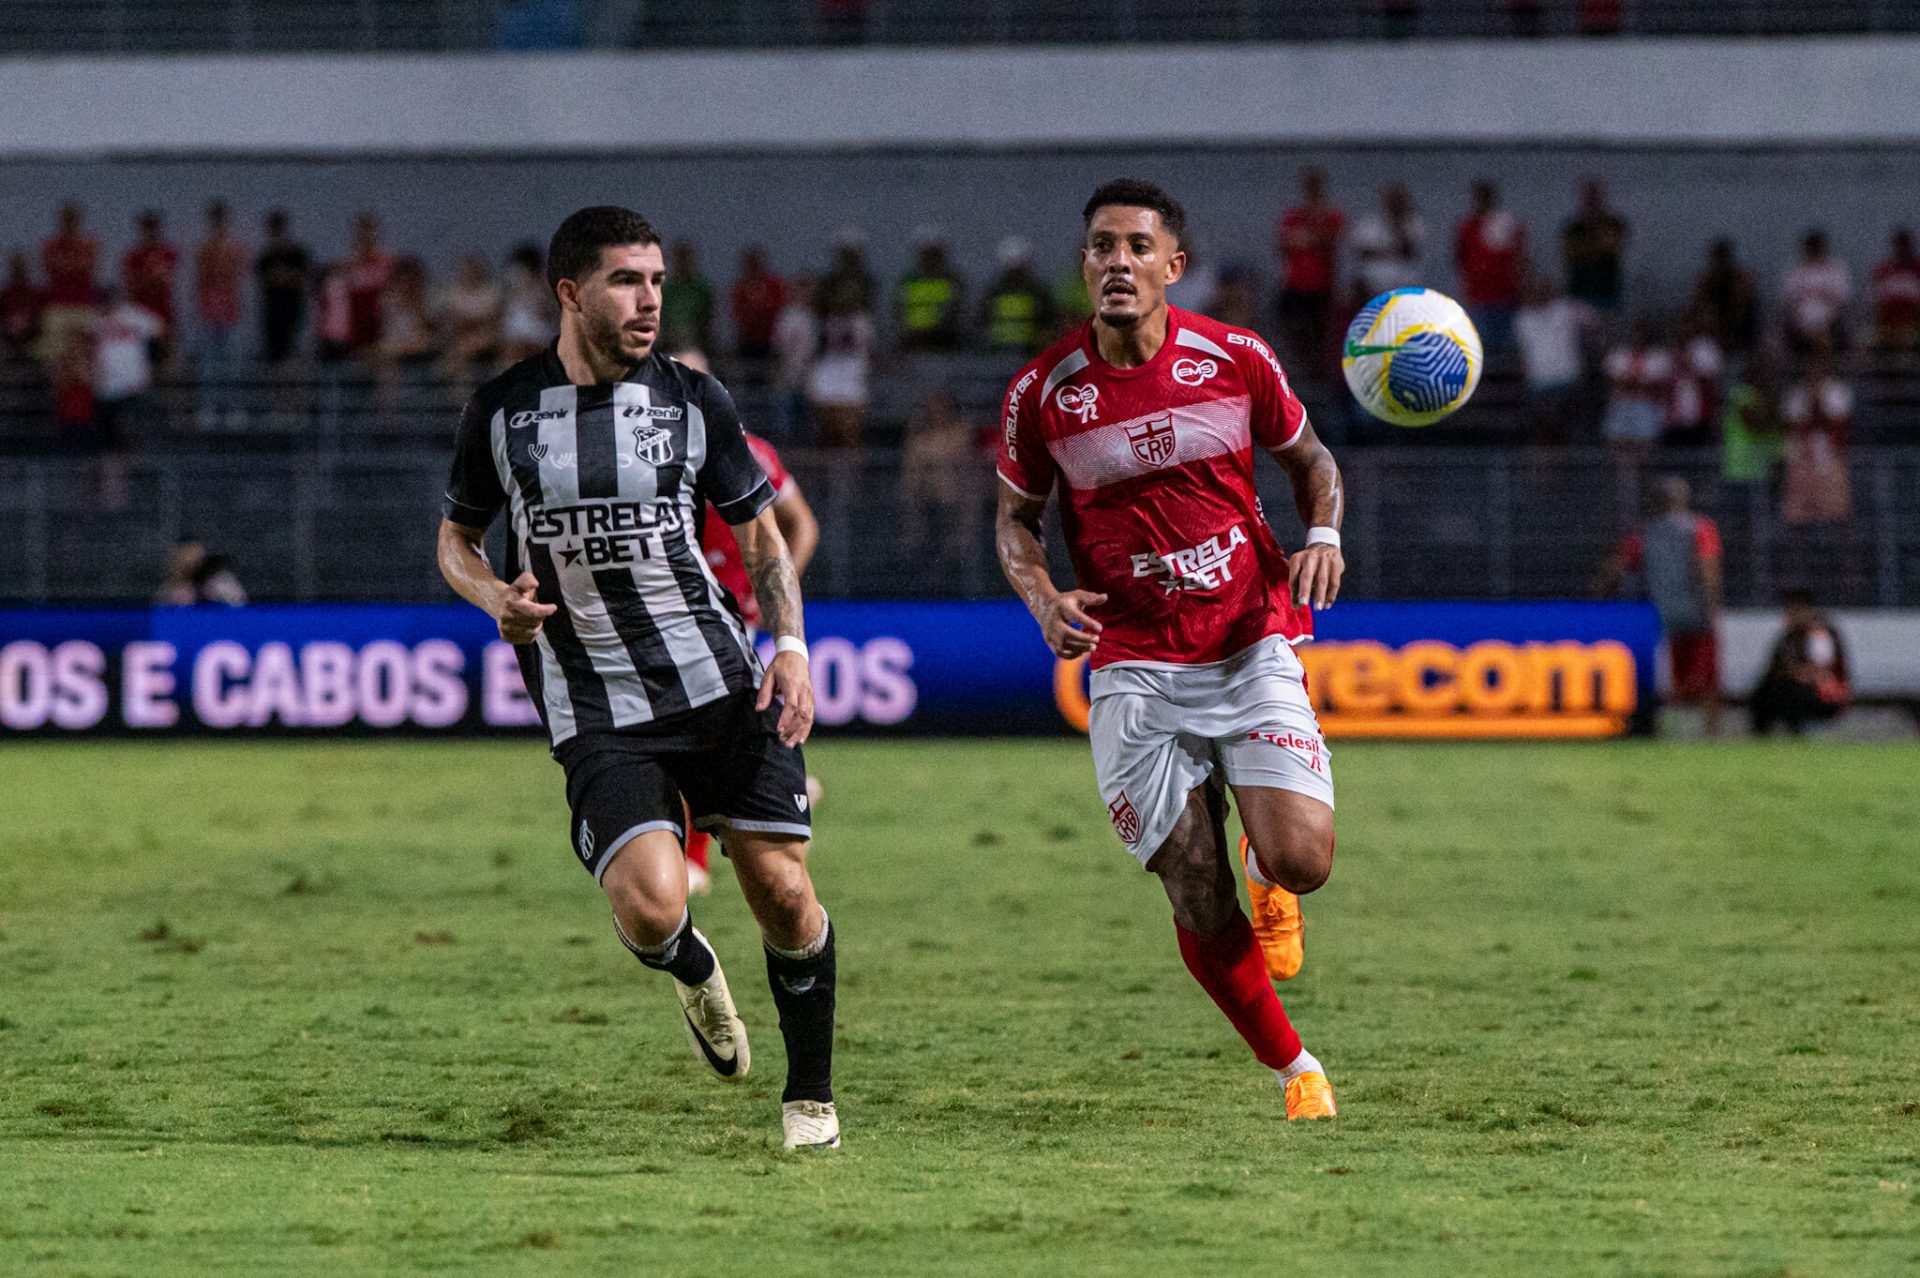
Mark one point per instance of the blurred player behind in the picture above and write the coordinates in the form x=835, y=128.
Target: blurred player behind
x=722, y=549
x=1145, y=418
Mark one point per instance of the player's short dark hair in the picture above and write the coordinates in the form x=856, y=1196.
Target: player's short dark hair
x=1136, y=193
x=575, y=250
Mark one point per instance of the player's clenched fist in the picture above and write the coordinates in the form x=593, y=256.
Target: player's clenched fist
x=1070, y=629
x=521, y=613
x=1315, y=572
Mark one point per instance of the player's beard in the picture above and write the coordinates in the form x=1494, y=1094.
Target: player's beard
x=604, y=334
x=1129, y=319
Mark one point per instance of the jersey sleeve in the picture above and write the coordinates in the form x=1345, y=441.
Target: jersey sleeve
x=769, y=459
x=731, y=476
x=1278, y=416
x=474, y=493
x=1025, y=465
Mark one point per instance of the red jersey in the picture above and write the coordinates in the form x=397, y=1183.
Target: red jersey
x=1896, y=293
x=1308, y=240
x=1491, y=252
x=1155, y=470
x=69, y=261
x=366, y=279
x=722, y=548
x=147, y=271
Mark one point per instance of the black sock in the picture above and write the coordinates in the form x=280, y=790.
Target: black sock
x=803, y=991
x=684, y=956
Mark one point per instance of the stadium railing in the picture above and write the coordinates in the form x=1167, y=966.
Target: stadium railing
x=305, y=407
x=153, y=26
x=1431, y=522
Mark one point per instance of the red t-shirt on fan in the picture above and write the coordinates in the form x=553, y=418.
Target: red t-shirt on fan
x=722, y=548
x=1157, y=500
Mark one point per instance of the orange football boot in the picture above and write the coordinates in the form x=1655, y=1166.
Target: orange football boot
x=1309, y=1095
x=1277, y=923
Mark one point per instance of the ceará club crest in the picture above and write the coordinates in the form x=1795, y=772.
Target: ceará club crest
x=652, y=444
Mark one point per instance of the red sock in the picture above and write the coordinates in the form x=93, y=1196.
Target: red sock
x=1228, y=966
x=698, y=844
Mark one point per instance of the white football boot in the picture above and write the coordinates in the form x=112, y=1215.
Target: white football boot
x=713, y=1026
x=810, y=1124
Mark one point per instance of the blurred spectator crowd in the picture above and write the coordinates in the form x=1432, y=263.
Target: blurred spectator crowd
x=1762, y=371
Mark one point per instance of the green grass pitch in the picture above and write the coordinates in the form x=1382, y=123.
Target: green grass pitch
x=350, y=1008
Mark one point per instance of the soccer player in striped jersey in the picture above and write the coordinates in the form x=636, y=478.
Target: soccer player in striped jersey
x=605, y=453
x=1145, y=419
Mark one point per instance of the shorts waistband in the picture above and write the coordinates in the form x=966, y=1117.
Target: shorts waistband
x=1187, y=674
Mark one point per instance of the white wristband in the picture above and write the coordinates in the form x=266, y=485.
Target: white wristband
x=790, y=643
x=1322, y=536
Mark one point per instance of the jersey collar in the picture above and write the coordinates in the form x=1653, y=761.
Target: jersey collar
x=1160, y=357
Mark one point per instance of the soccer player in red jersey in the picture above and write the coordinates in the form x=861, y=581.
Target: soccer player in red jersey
x=1145, y=419
x=722, y=549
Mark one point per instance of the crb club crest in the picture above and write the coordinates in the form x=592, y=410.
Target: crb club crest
x=1153, y=441
x=1082, y=401
x=653, y=445
x=1126, y=821
x=1191, y=372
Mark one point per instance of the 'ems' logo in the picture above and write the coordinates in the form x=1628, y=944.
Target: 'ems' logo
x=1191, y=372
x=1082, y=401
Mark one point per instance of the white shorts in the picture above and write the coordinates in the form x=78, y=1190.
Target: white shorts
x=1159, y=730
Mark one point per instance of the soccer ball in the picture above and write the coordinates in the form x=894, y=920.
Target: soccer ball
x=1412, y=356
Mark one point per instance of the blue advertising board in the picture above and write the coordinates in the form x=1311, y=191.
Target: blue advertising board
x=923, y=668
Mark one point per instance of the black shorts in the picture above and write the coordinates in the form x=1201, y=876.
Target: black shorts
x=724, y=759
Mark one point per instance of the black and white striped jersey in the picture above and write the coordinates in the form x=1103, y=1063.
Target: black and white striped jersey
x=605, y=487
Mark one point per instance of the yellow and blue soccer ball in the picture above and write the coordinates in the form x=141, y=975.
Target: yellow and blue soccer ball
x=1411, y=356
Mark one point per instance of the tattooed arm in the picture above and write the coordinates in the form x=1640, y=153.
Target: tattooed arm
x=776, y=584
x=1315, y=569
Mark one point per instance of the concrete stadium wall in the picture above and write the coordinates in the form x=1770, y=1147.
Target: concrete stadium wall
x=1883, y=649
x=1664, y=91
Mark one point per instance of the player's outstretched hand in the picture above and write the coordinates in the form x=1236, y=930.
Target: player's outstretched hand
x=1069, y=629
x=789, y=679
x=1316, y=571
x=521, y=613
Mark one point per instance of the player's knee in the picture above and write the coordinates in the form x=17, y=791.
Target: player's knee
x=1300, y=858
x=648, y=917
x=789, y=899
